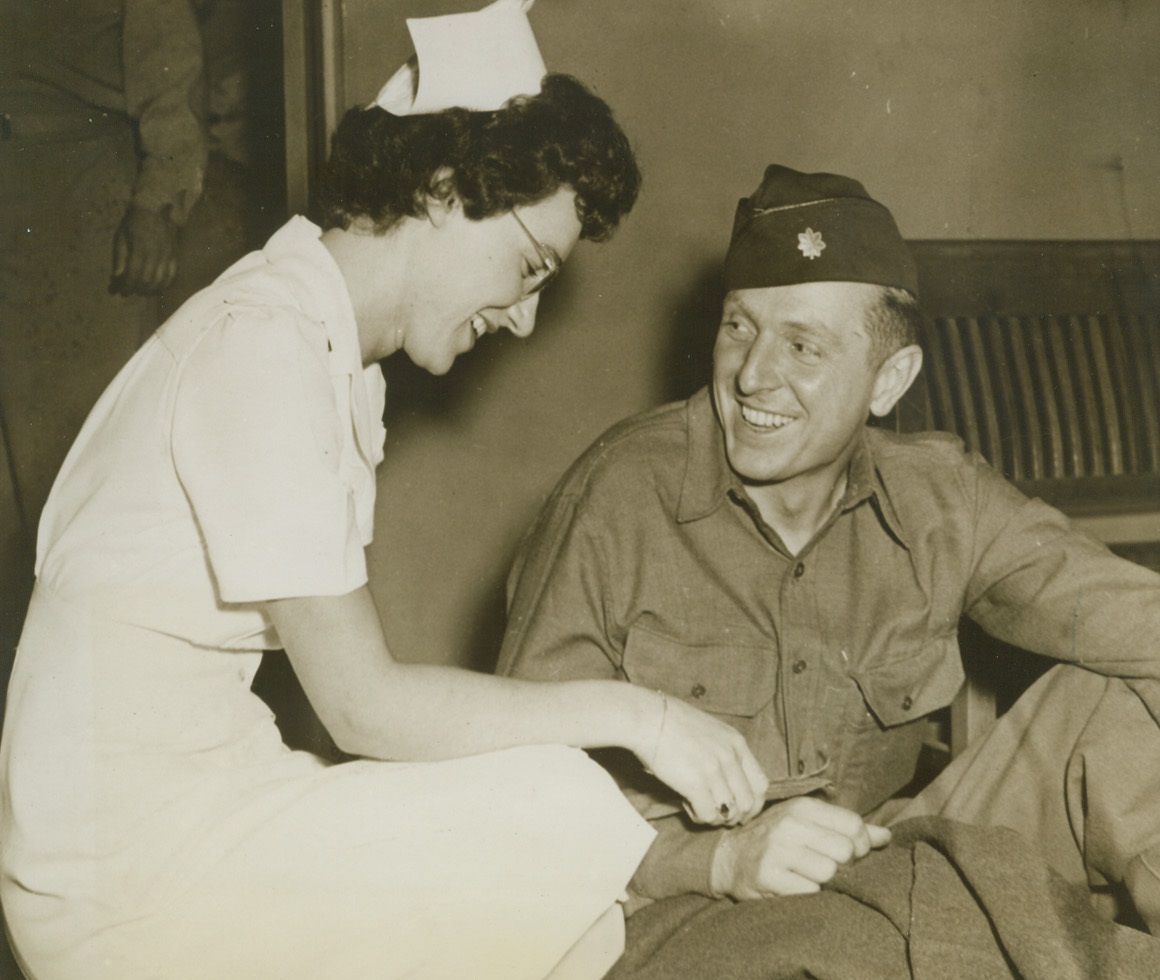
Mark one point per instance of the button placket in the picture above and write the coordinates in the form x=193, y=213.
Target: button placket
x=798, y=679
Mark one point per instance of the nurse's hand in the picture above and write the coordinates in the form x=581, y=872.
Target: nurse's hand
x=707, y=762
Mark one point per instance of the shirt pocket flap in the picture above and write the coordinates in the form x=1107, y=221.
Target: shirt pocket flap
x=914, y=685
x=723, y=680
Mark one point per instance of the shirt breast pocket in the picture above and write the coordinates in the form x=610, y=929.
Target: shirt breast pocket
x=884, y=733
x=734, y=681
x=913, y=685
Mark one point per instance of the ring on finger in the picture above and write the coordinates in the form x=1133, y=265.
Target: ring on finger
x=726, y=810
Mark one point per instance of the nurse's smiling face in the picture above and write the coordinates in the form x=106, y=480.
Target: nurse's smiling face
x=478, y=277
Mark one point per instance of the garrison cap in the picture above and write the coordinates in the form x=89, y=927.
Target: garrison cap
x=798, y=227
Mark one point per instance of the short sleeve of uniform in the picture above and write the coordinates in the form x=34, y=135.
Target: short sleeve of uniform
x=259, y=437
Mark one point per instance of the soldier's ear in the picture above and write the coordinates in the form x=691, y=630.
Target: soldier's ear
x=895, y=375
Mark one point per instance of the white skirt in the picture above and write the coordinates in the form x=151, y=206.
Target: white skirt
x=154, y=826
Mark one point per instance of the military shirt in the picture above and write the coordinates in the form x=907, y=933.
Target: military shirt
x=651, y=564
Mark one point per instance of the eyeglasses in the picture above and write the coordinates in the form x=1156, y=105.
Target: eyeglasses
x=537, y=279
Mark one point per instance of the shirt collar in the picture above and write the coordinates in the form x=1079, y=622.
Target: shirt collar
x=861, y=477
x=318, y=287
x=320, y=290
x=866, y=483
x=709, y=478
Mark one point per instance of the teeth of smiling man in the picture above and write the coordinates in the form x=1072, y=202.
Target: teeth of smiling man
x=764, y=420
x=479, y=325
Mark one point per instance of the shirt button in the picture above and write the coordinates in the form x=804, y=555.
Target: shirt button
x=801, y=766
x=799, y=570
x=799, y=666
x=698, y=691
x=907, y=703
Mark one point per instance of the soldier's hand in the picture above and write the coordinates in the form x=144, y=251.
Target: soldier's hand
x=793, y=848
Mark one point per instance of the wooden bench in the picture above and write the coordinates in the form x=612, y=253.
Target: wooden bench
x=1044, y=356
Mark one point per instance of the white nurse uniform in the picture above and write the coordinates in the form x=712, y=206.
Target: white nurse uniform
x=152, y=823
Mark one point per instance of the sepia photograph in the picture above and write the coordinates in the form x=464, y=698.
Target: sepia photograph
x=578, y=489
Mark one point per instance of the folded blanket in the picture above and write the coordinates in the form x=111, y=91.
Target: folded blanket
x=945, y=901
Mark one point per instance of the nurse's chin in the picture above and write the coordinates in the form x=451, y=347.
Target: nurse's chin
x=437, y=366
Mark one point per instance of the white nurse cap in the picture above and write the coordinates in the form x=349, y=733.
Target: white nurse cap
x=476, y=60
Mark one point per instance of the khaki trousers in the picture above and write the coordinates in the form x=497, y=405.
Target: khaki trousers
x=1074, y=766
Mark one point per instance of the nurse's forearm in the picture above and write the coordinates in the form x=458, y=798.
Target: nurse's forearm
x=374, y=706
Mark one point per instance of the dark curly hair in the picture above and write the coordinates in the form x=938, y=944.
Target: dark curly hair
x=386, y=167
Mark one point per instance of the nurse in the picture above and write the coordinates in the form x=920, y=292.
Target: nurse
x=217, y=503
